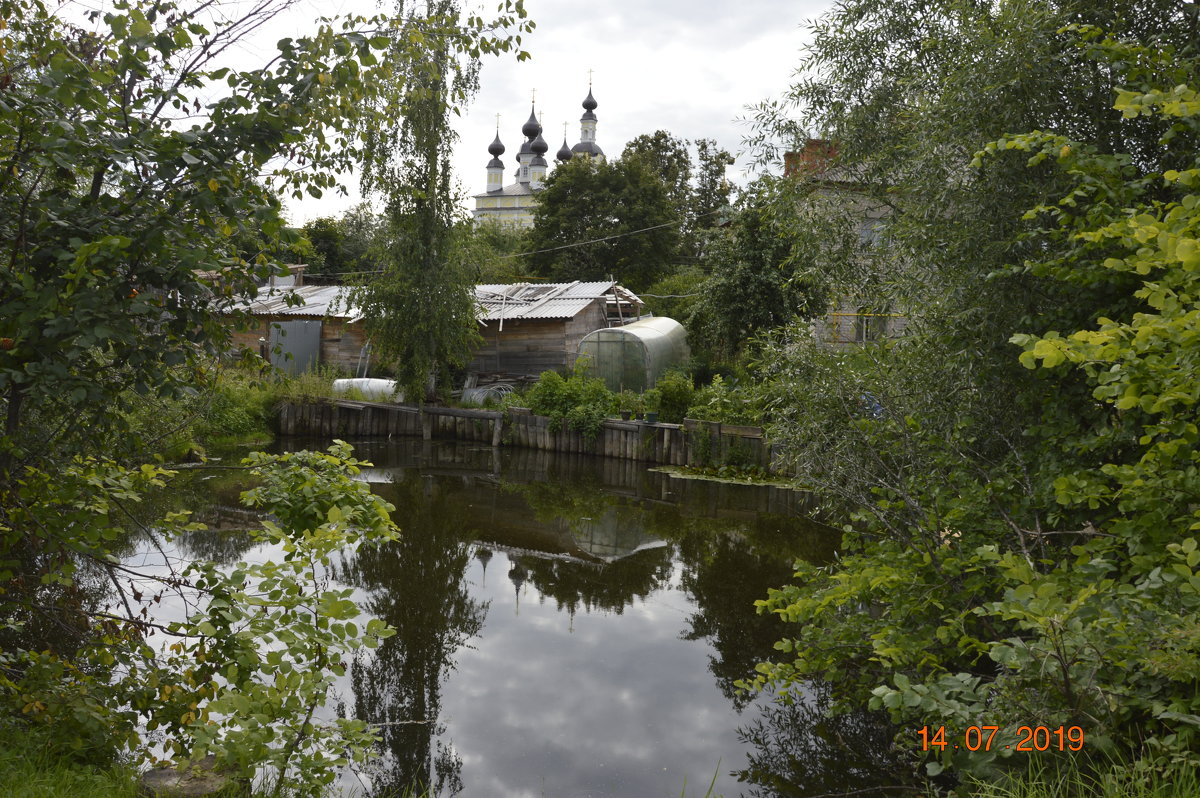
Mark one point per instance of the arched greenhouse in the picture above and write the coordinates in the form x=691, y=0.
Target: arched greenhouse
x=635, y=355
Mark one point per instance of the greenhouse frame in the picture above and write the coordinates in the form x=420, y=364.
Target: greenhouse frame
x=633, y=356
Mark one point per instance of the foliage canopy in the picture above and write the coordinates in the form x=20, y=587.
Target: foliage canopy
x=1023, y=525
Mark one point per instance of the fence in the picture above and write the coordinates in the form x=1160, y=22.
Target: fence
x=696, y=444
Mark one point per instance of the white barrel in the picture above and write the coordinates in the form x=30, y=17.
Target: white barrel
x=370, y=388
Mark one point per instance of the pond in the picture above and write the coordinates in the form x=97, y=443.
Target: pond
x=573, y=626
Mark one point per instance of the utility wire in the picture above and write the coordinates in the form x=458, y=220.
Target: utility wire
x=609, y=238
x=572, y=246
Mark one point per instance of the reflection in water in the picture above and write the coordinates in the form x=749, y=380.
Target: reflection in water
x=714, y=565
x=560, y=621
x=576, y=585
x=417, y=585
x=35, y=616
x=798, y=750
x=612, y=560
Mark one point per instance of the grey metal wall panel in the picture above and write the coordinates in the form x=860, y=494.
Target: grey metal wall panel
x=298, y=344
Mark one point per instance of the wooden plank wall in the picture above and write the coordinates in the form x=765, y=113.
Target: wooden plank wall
x=341, y=344
x=697, y=444
x=524, y=346
x=341, y=341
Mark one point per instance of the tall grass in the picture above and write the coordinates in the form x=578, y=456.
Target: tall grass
x=32, y=767
x=1062, y=778
x=238, y=409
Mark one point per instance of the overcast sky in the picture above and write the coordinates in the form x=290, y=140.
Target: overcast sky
x=690, y=68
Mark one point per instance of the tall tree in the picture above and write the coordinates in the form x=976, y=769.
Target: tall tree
x=907, y=95
x=667, y=156
x=421, y=311
x=712, y=190
x=125, y=195
x=971, y=476
x=598, y=219
x=762, y=267
x=697, y=189
x=341, y=245
x=495, y=249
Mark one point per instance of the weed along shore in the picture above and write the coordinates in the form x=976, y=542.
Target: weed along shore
x=692, y=444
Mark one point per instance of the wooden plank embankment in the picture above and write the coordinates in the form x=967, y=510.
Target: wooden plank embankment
x=693, y=443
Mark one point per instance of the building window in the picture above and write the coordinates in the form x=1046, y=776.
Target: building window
x=870, y=324
x=869, y=231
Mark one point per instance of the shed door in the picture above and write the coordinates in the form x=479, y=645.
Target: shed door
x=298, y=344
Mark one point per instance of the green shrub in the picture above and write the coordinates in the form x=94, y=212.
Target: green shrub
x=728, y=403
x=629, y=401
x=652, y=400
x=259, y=652
x=582, y=401
x=675, y=396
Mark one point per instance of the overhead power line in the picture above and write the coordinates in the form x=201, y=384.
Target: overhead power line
x=609, y=238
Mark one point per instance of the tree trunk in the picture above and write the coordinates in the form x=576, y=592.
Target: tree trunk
x=12, y=423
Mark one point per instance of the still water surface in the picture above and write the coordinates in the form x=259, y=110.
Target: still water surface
x=571, y=626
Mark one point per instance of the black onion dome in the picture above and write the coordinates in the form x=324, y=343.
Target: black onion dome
x=532, y=126
x=589, y=105
x=495, y=163
x=564, y=152
x=539, y=145
x=538, y=161
x=496, y=148
x=590, y=148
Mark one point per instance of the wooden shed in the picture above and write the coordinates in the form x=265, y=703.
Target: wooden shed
x=529, y=328
x=324, y=330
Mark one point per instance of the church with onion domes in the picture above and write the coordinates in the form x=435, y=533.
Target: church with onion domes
x=513, y=204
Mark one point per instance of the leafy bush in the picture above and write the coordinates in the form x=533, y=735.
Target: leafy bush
x=581, y=401
x=675, y=295
x=652, y=400
x=629, y=401
x=676, y=392
x=248, y=669
x=727, y=403
x=1026, y=548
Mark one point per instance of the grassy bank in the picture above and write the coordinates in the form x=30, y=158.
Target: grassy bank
x=31, y=766
x=1064, y=779
x=239, y=408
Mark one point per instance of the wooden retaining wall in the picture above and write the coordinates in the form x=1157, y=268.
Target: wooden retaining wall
x=696, y=444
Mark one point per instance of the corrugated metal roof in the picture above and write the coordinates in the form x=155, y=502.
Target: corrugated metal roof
x=496, y=301
x=320, y=301
x=538, y=300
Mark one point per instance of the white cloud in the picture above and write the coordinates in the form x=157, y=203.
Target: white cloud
x=690, y=68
